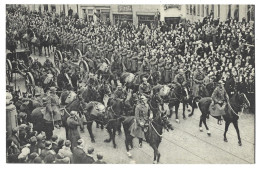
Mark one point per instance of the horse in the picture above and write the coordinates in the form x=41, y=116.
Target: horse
x=235, y=104
x=174, y=95
x=204, y=92
x=114, y=113
x=36, y=41
x=131, y=81
x=46, y=43
x=153, y=135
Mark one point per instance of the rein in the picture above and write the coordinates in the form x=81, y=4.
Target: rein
x=155, y=129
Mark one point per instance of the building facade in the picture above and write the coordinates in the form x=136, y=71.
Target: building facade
x=170, y=13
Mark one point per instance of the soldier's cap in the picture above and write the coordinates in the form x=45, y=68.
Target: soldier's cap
x=220, y=82
x=53, y=89
x=90, y=150
x=143, y=97
x=80, y=141
x=47, y=144
x=38, y=94
x=73, y=113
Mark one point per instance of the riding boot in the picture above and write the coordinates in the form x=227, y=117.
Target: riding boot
x=140, y=142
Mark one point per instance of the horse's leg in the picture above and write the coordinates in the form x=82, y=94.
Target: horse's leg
x=89, y=127
x=227, y=123
x=235, y=123
x=44, y=50
x=183, y=109
x=171, y=111
x=176, y=112
x=118, y=128
x=193, y=107
x=49, y=50
x=200, y=124
x=156, y=154
x=109, y=130
x=113, y=136
x=205, y=123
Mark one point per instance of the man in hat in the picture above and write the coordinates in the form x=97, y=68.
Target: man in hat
x=79, y=155
x=142, y=114
x=52, y=107
x=99, y=159
x=90, y=159
x=117, y=67
x=198, y=87
x=220, y=98
x=180, y=78
x=145, y=69
x=145, y=88
x=73, y=135
x=120, y=92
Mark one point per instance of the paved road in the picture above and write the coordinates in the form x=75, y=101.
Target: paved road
x=185, y=144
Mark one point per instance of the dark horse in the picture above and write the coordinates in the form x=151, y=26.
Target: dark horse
x=177, y=94
x=236, y=104
x=114, y=116
x=153, y=135
x=204, y=92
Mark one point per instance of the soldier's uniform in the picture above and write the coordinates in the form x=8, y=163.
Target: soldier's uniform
x=198, y=83
x=52, y=107
x=134, y=64
x=120, y=93
x=167, y=72
x=180, y=79
x=145, y=89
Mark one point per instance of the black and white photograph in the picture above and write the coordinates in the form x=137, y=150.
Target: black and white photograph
x=130, y=83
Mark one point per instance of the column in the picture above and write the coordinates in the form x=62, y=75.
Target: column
x=242, y=12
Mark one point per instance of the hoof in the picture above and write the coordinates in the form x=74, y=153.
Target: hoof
x=184, y=118
x=129, y=154
x=190, y=115
x=93, y=141
x=239, y=143
x=201, y=129
x=154, y=162
x=209, y=134
x=177, y=121
x=107, y=140
x=225, y=139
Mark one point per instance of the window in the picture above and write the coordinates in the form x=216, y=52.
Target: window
x=207, y=10
x=194, y=10
x=198, y=9
x=90, y=11
x=84, y=10
x=202, y=10
x=218, y=10
x=187, y=9
x=190, y=9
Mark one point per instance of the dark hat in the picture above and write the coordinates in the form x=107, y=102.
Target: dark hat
x=37, y=160
x=99, y=156
x=47, y=143
x=90, y=150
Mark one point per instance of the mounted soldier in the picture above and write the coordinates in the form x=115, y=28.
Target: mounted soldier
x=120, y=92
x=52, y=107
x=142, y=115
x=180, y=78
x=220, y=100
x=145, y=88
x=198, y=87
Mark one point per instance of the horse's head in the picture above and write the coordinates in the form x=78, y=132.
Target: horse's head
x=164, y=91
x=164, y=121
x=242, y=99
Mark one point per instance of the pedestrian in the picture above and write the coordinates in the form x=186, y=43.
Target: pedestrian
x=73, y=133
x=79, y=155
x=99, y=159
